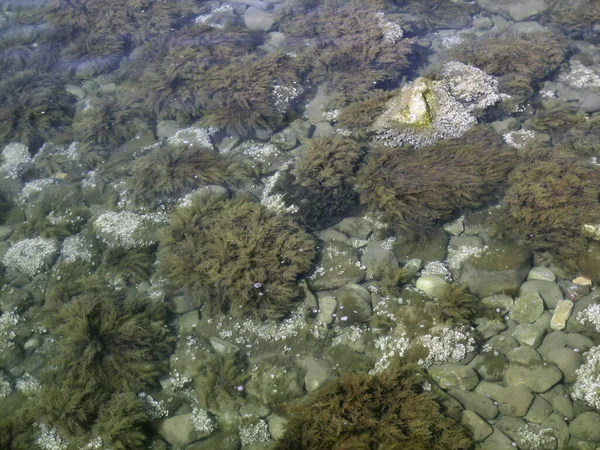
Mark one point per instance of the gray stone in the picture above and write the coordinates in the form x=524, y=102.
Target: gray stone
x=586, y=426
x=518, y=10
x=454, y=376
x=318, y=372
x=212, y=191
x=556, y=339
x=559, y=428
x=561, y=314
x=354, y=304
x=579, y=342
x=222, y=441
x=183, y=303
x=302, y=129
x=490, y=365
x=431, y=285
x=376, y=255
x=330, y=235
x=314, y=108
x=541, y=273
x=78, y=92
x=497, y=441
x=276, y=41
x=285, y=139
x=277, y=426
x=502, y=343
x=5, y=232
x=502, y=303
x=567, y=360
x=482, y=23
x=528, y=334
x=527, y=308
x=222, y=346
x=457, y=242
x=188, y=322
x=543, y=322
x=490, y=327
x=591, y=103
x=540, y=378
x=336, y=267
x=327, y=308
x=254, y=410
x=323, y=129
x=455, y=228
x=539, y=411
x=514, y=401
x=179, y=430
x=529, y=26
x=548, y=290
x=479, y=427
x=496, y=270
x=524, y=355
x=505, y=126
x=476, y=403
x=167, y=128
x=562, y=405
x=258, y=19
x=356, y=227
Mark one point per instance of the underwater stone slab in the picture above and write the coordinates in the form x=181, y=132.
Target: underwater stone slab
x=524, y=355
x=518, y=10
x=497, y=441
x=502, y=303
x=258, y=19
x=548, y=290
x=475, y=402
x=179, y=430
x=562, y=405
x=378, y=254
x=539, y=411
x=5, y=232
x=354, y=304
x=318, y=372
x=431, y=285
x=277, y=426
x=222, y=346
x=514, y=401
x=327, y=307
x=454, y=376
x=539, y=378
x=528, y=334
x=541, y=273
x=567, y=360
x=527, y=308
x=561, y=314
x=337, y=265
x=356, y=227
x=478, y=426
x=586, y=426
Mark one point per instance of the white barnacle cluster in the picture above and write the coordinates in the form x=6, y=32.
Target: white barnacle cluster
x=27, y=384
x=391, y=346
x=392, y=32
x=254, y=433
x=154, y=408
x=201, y=421
x=48, y=438
x=76, y=248
x=579, y=76
x=30, y=256
x=193, y=136
x=426, y=111
x=15, y=160
x=587, y=385
x=128, y=229
x=284, y=95
x=471, y=86
x=446, y=345
x=519, y=138
x=272, y=201
x=437, y=268
x=456, y=256
x=590, y=314
x=32, y=187
x=5, y=386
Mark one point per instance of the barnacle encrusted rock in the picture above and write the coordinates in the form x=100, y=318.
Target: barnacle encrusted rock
x=426, y=111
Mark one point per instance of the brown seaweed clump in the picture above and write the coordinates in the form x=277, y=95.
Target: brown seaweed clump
x=551, y=195
x=390, y=410
x=320, y=186
x=416, y=189
x=237, y=256
x=520, y=60
x=347, y=46
x=578, y=22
